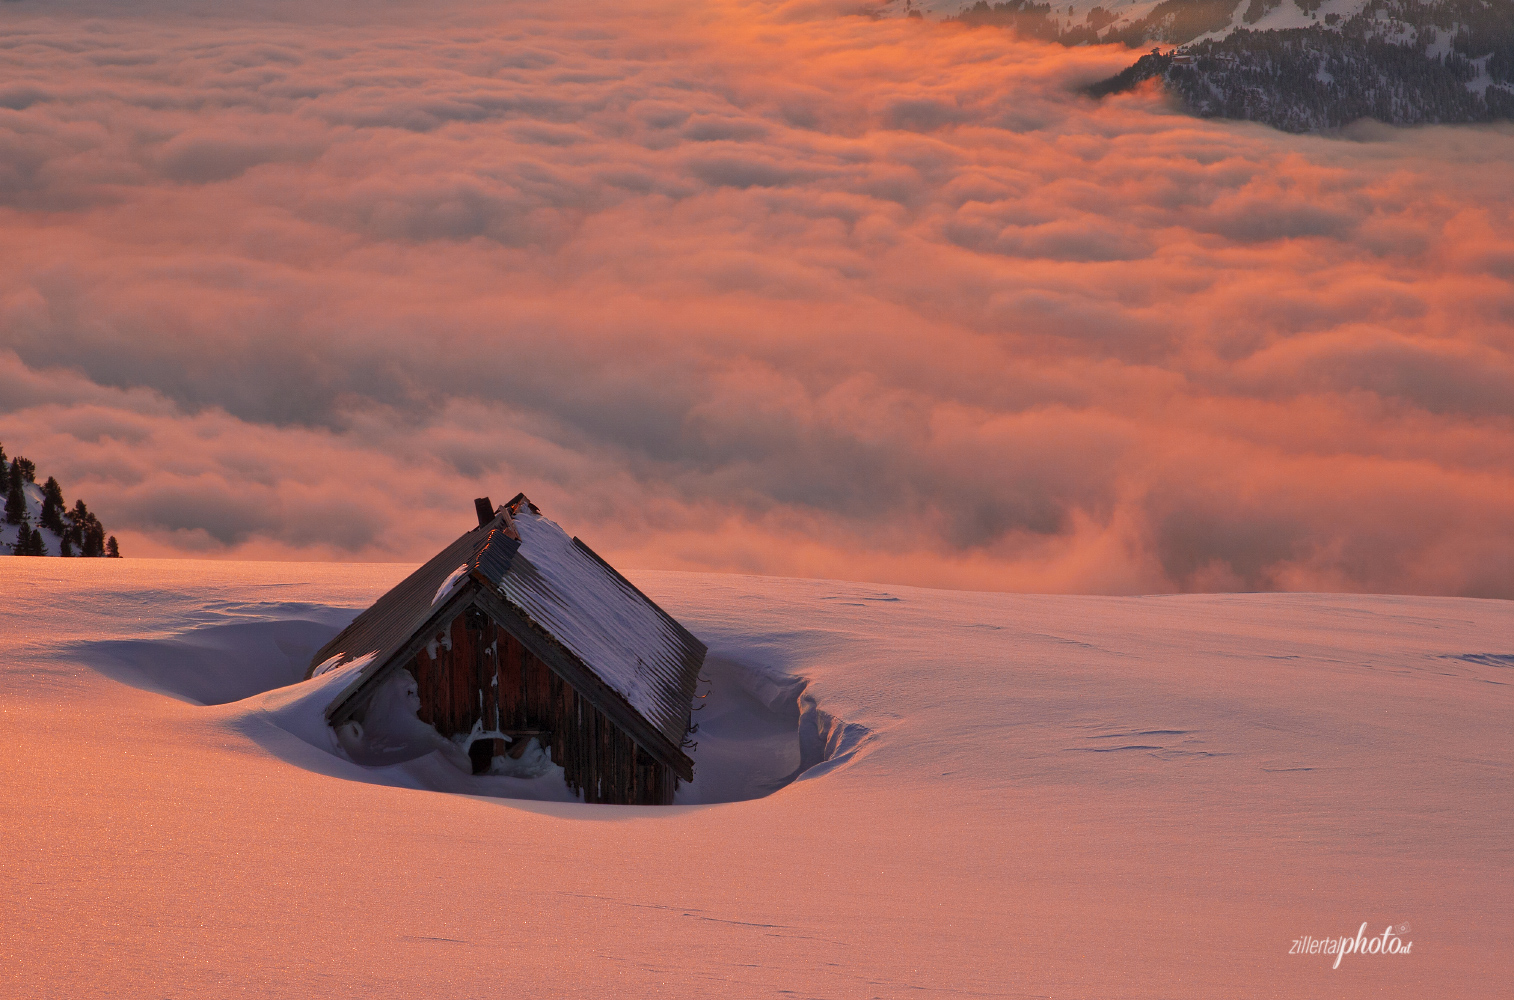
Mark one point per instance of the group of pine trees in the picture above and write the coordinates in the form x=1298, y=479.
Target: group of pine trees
x=80, y=532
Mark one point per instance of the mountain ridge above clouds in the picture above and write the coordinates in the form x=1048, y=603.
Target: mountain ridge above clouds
x=1134, y=22
x=1297, y=65
x=1401, y=62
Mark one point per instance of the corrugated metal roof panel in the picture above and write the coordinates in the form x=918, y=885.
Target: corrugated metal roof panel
x=388, y=625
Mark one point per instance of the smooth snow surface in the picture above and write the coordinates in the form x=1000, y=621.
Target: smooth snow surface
x=1028, y=797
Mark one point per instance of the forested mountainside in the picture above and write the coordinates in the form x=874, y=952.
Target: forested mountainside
x=1299, y=65
x=39, y=522
x=1406, y=62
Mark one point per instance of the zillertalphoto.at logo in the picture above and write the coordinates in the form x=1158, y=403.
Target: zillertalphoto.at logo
x=1388, y=944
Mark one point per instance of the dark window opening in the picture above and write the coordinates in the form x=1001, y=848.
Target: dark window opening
x=481, y=752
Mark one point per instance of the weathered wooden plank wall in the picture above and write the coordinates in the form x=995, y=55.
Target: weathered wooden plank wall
x=476, y=671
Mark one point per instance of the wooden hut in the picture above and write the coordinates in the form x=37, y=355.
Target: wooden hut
x=516, y=631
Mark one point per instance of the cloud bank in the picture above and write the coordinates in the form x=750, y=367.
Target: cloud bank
x=759, y=287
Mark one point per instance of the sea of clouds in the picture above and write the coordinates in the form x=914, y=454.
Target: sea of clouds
x=764, y=287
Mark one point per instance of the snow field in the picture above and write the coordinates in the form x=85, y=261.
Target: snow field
x=1068, y=796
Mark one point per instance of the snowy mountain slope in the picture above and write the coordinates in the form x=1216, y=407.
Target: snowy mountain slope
x=38, y=521
x=1139, y=22
x=1302, y=81
x=1404, y=62
x=1065, y=15
x=10, y=532
x=1299, y=65
x=1084, y=797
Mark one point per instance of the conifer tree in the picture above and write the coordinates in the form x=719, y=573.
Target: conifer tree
x=29, y=542
x=112, y=550
x=28, y=468
x=15, y=501
x=94, y=540
x=78, y=523
x=65, y=546
x=52, y=507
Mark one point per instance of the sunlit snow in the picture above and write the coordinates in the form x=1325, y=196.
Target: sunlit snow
x=962, y=793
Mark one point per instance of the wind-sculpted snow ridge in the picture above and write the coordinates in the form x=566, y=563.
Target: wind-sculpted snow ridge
x=759, y=729
x=213, y=664
x=1401, y=62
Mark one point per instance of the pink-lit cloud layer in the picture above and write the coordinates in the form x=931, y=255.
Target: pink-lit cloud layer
x=742, y=286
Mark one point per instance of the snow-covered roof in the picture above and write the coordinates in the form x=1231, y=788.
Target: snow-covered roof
x=552, y=583
x=576, y=597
